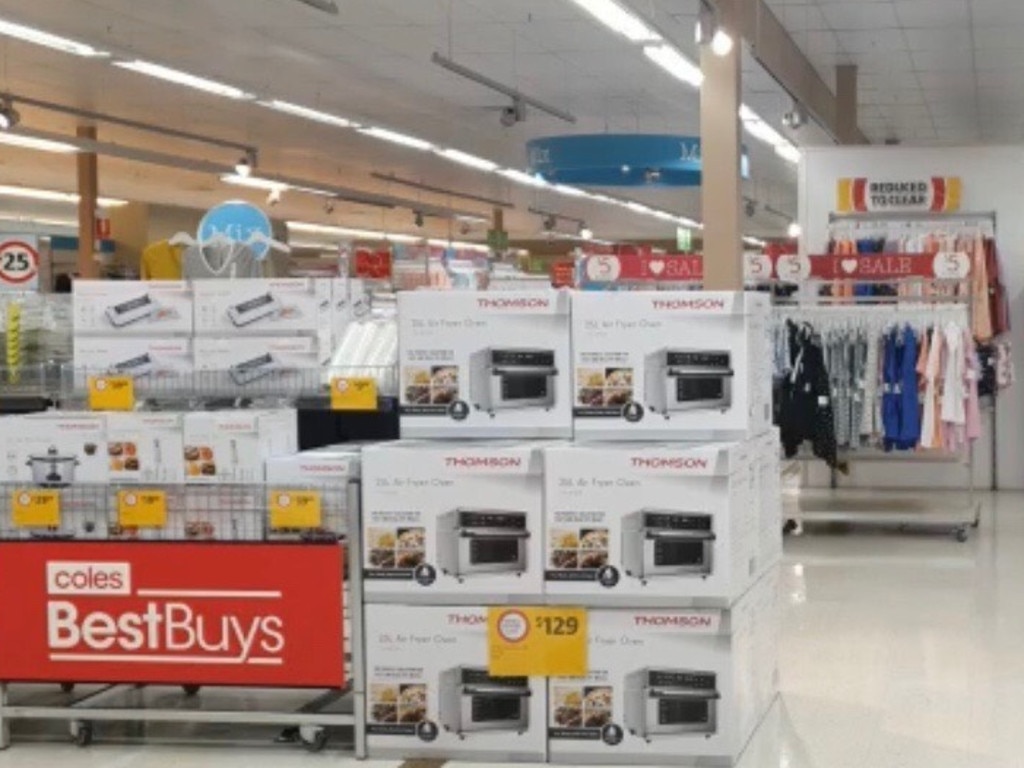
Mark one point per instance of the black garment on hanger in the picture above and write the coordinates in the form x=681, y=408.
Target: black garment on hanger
x=805, y=407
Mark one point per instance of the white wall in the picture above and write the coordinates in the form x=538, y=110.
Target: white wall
x=993, y=180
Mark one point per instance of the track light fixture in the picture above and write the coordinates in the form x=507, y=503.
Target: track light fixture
x=9, y=117
x=796, y=117
x=418, y=218
x=274, y=196
x=710, y=32
x=550, y=222
x=328, y=206
x=585, y=232
x=246, y=165
x=793, y=230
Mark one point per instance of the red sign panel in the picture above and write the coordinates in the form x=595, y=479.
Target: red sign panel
x=153, y=612
x=563, y=274
x=874, y=266
x=375, y=265
x=643, y=267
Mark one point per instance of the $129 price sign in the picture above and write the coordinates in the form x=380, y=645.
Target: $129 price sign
x=531, y=640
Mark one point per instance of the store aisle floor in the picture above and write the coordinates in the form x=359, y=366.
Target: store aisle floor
x=899, y=651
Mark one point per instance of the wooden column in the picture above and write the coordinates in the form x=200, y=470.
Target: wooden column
x=88, y=190
x=720, y=159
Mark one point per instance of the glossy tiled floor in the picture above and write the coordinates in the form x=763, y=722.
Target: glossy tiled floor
x=899, y=651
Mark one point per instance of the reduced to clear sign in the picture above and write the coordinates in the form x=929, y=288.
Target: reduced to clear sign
x=19, y=263
x=545, y=641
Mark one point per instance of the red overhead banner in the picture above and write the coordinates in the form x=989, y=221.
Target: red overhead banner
x=641, y=267
x=153, y=612
x=873, y=266
x=373, y=264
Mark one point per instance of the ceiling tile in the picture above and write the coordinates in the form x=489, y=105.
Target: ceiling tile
x=1003, y=36
x=996, y=13
x=928, y=14
x=938, y=39
x=856, y=15
x=869, y=41
x=953, y=60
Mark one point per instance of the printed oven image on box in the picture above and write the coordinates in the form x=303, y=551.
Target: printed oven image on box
x=429, y=692
x=666, y=702
x=479, y=364
x=665, y=365
x=653, y=524
x=513, y=378
x=453, y=522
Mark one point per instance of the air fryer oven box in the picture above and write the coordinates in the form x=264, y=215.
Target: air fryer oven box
x=422, y=665
x=651, y=524
x=132, y=307
x=769, y=497
x=145, y=447
x=453, y=522
x=159, y=365
x=233, y=446
x=657, y=365
x=260, y=363
x=484, y=364
x=264, y=307
x=669, y=686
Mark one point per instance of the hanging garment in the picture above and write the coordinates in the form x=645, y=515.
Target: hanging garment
x=932, y=371
x=910, y=419
x=870, y=388
x=972, y=411
x=981, y=309
x=999, y=307
x=805, y=410
x=221, y=260
x=954, y=416
x=161, y=261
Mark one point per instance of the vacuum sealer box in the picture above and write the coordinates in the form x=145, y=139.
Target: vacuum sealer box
x=417, y=660
x=260, y=363
x=132, y=307
x=453, y=522
x=650, y=524
x=233, y=446
x=669, y=686
x=159, y=365
x=145, y=447
x=657, y=365
x=484, y=364
x=264, y=307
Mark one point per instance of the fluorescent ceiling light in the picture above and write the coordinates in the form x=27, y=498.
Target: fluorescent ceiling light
x=460, y=244
x=639, y=207
x=755, y=241
x=759, y=129
x=746, y=113
x=467, y=159
x=673, y=62
x=51, y=195
x=565, y=189
x=618, y=19
x=788, y=152
x=254, y=182
x=315, y=115
x=178, y=77
x=521, y=177
x=31, y=142
x=57, y=43
x=29, y=219
x=397, y=138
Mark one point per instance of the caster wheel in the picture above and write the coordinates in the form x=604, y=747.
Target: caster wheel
x=67, y=687
x=190, y=690
x=83, y=734
x=313, y=739
x=961, y=535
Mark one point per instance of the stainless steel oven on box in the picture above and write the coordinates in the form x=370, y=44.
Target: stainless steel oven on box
x=687, y=380
x=667, y=702
x=504, y=378
x=473, y=700
x=666, y=542
x=478, y=541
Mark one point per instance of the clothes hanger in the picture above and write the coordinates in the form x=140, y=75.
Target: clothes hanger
x=182, y=238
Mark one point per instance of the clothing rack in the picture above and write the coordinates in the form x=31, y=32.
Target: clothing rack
x=875, y=314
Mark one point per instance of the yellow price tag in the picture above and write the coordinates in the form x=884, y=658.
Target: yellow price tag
x=111, y=393
x=547, y=641
x=353, y=393
x=35, y=509
x=294, y=509
x=142, y=508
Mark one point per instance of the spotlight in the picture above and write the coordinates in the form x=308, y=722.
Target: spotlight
x=750, y=207
x=652, y=176
x=709, y=32
x=550, y=222
x=793, y=230
x=274, y=196
x=417, y=219
x=796, y=116
x=8, y=115
x=514, y=113
x=328, y=206
x=721, y=43
x=586, y=233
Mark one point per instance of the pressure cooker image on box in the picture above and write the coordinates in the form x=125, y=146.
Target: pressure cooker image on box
x=671, y=702
x=52, y=469
x=472, y=701
x=506, y=378
x=688, y=380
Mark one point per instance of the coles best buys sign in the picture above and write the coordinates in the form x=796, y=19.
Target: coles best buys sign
x=151, y=612
x=863, y=195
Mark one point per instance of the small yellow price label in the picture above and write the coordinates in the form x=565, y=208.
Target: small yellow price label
x=35, y=509
x=545, y=641
x=353, y=393
x=142, y=508
x=294, y=509
x=111, y=393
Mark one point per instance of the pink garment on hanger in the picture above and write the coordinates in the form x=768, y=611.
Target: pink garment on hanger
x=931, y=415
x=981, y=311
